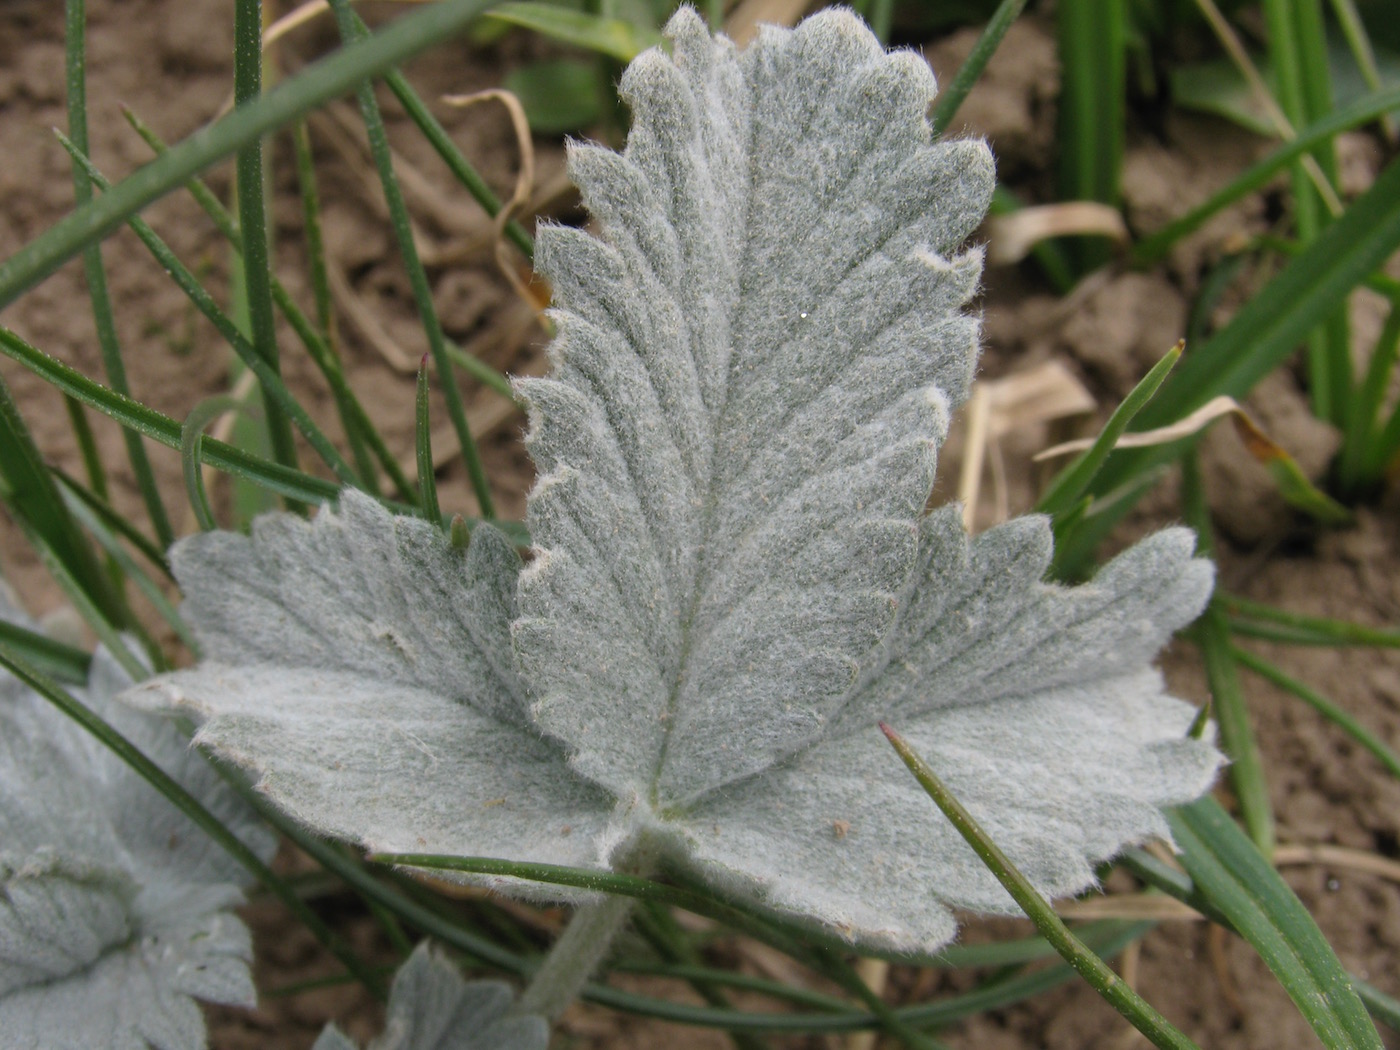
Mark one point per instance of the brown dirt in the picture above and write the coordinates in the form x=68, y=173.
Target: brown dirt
x=169, y=61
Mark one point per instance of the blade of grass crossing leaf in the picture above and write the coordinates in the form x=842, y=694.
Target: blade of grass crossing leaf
x=190, y=807
x=1275, y=321
x=1074, y=480
x=359, y=429
x=1362, y=111
x=1230, y=872
x=1212, y=634
x=271, y=382
x=1359, y=466
x=112, y=522
x=77, y=595
x=423, y=444
x=108, y=541
x=1319, y=703
x=75, y=64
x=1108, y=984
x=322, y=82
x=63, y=663
x=32, y=497
x=418, y=279
x=250, y=182
x=951, y=97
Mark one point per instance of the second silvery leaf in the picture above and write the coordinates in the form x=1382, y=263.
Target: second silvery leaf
x=733, y=578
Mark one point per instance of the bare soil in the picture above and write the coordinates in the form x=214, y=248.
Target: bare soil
x=169, y=61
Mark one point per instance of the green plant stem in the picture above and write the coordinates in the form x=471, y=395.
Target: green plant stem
x=575, y=955
x=423, y=446
x=1093, y=969
x=351, y=33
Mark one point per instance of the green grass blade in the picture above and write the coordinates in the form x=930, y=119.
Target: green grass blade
x=159, y=427
x=613, y=37
x=352, y=32
x=325, y=80
x=1074, y=481
x=1319, y=703
x=249, y=183
x=453, y=157
x=1094, y=970
x=27, y=488
x=191, y=437
x=108, y=540
x=272, y=386
x=1212, y=634
x=101, y=510
x=1093, y=57
x=1306, y=630
x=423, y=445
x=63, y=663
x=951, y=98
x=1231, y=873
x=1275, y=321
x=75, y=50
x=359, y=429
x=1362, y=111
x=190, y=806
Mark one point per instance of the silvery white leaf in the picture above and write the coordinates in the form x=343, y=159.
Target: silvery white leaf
x=114, y=907
x=752, y=374
x=734, y=577
x=432, y=1008
x=363, y=666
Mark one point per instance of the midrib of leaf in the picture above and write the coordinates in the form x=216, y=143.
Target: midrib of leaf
x=710, y=494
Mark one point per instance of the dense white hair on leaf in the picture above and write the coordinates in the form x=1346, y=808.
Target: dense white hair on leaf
x=734, y=577
x=115, y=909
x=431, y=1007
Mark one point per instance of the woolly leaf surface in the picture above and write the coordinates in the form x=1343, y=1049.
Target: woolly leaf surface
x=1036, y=705
x=362, y=665
x=753, y=370
x=432, y=1008
x=114, y=907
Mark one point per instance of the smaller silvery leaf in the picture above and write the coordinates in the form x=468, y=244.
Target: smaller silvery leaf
x=431, y=1007
x=114, y=907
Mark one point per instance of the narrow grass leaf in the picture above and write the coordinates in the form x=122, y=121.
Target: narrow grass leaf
x=1306, y=630
x=1319, y=703
x=423, y=444
x=327, y=79
x=1362, y=111
x=1074, y=481
x=1093, y=969
x=953, y=95
x=50, y=657
x=32, y=497
x=1230, y=872
x=191, y=437
x=1277, y=320
x=352, y=31
x=75, y=64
